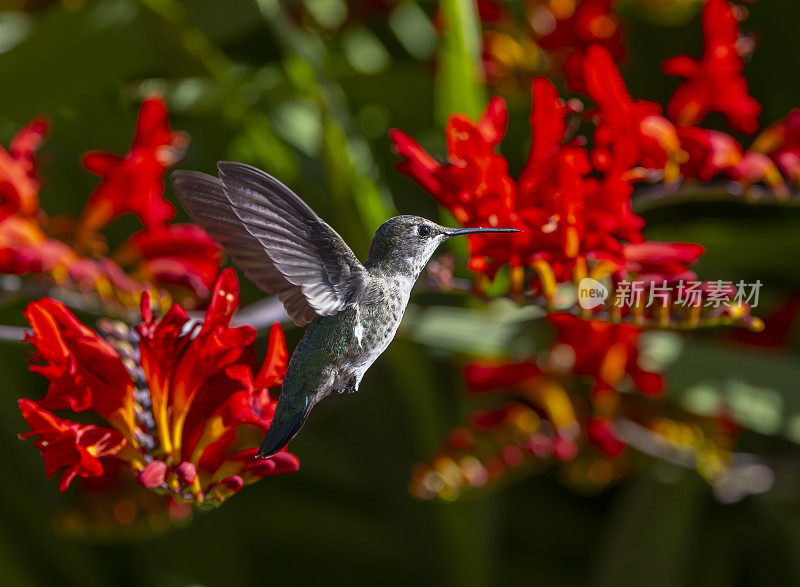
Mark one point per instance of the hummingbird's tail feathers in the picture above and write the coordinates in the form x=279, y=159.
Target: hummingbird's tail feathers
x=281, y=431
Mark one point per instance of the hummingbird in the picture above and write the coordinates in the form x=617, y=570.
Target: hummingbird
x=352, y=309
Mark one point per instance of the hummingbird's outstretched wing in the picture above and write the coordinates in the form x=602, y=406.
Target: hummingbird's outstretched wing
x=275, y=238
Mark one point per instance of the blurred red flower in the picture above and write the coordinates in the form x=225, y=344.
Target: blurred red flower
x=709, y=152
x=175, y=254
x=630, y=132
x=781, y=142
x=548, y=202
x=135, y=183
x=184, y=406
x=19, y=185
x=605, y=352
x=591, y=23
x=714, y=83
x=565, y=214
x=161, y=254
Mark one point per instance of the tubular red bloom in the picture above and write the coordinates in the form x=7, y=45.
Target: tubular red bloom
x=177, y=254
x=592, y=23
x=78, y=448
x=194, y=356
x=188, y=401
x=19, y=186
x=714, y=82
x=653, y=260
x=562, y=213
x=565, y=215
x=606, y=352
x=603, y=435
x=25, y=248
x=162, y=255
x=485, y=377
x=629, y=132
x=755, y=168
x=135, y=183
x=709, y=152
x=84, y=371
x=781, y=142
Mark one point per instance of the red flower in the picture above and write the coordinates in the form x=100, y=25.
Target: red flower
x=135, y=183
x=602, y=433
x=714, y=82
x=84, y=370
x=605, y=352
x=781, y=141
x=755, y=168
x=25, y=248
x=179, y=255
x=562, y=213
x=485, y=377
x=565, y=215
x=653, y=260
x=78, y=448
x=709, y=152
x=176, y=254
x=201, y=409
x=541, y=419
x=592, y=23
x=19, y=186
x=629, y=132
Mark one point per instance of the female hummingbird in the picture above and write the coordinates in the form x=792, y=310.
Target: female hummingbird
x=282, y=246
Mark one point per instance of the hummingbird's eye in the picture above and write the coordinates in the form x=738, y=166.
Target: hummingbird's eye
x=424, y=231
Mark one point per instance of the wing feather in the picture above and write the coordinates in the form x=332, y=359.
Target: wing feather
x=275, y=238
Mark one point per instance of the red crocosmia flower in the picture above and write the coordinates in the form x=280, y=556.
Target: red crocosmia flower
x=605, y=352
x=657, y=261
x=25, y=248
x=183, y=397
x=19, y=186
x=84, y=370
x=714, y=82
x=484, y=377
x=710, y=152
x=135, y=183
x=602, y=433
x=177, y=254
x=755, y=168
x=629, y=132
x=781, y=141
x=592, y=23
x=77, y=448
x=562, y=213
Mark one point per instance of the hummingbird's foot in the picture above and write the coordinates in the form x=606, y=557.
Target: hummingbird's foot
x=352, y=385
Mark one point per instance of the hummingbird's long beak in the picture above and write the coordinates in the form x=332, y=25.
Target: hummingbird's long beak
x=460, y=231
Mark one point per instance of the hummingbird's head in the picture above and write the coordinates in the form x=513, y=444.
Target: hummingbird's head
x=406, y=243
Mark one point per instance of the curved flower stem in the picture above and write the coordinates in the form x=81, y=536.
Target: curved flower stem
x=747, y=473
x=669, y=194
x=13, y=333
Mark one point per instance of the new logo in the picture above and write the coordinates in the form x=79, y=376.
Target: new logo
x=591, y=293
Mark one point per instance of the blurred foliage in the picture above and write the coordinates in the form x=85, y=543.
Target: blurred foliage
x=307, y=90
